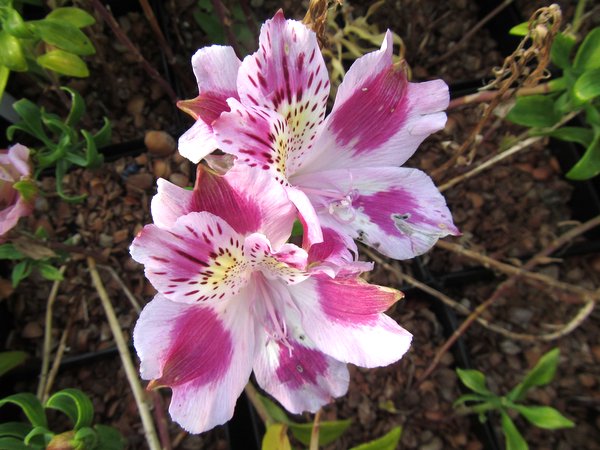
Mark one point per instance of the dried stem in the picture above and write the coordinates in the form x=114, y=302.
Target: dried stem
x=164, y=45
x=553, y=247
x=48, y=336
x=122, y=37
x=161, y=420
x=226, y=23
x=130, y=372
x=57, y=358
x=128, y=293
x=486, y=96
x=259, y=406
x=314, y=435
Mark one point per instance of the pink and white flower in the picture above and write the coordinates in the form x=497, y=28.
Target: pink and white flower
x=341, y=171
x=234, y=297
x=14, y=167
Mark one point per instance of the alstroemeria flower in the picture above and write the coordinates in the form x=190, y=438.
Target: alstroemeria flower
x=235, y=298
x=14, y=168
x=271, y=115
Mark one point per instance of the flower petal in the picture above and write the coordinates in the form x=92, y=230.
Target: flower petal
x=216, y=69
x=344, y=318
x=199, y=259
x=204, y=354
x=248, y=200
x=170, y=203
x=396, y=210
x=288, y=75
x=308, y=217
x=336, y=255
x=296, y=374
x=379, y=118
x=287, y=264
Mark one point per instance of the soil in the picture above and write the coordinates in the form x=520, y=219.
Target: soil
x=509, y=213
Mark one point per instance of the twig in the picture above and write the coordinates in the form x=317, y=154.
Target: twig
x=259, y=406
x=128, y=293
x=553, y=247
x=161, y=420
x=130, y=372
x=585, y=294
x=486, y=96
x=314, y=435
x=226, y=23
x=166, y=48
x=179, y=438
x=48, y=336
x=122, y=37
x=57, y=358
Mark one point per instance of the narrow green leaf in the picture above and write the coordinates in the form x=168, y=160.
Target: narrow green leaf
x=71, y=15
x=560, y=54
x=93, y=158
x=27, y=188
x=11, y=53
x=4, y=73
x=580, y=135
x=75, y=404
x=8, y=251
x=20, y=272
x=329, y=431
x=64, y=63
x=30, y=405
x=388, y=441
x=10, y=360
x=38, y=432
x=533, y=111
x=589, y=164
x=77, y=107
x=64, y=36
x=276, y=413
x=109, y=438
x=540, y=375
x=469, y=398
x=474, y=380
x=88, y=437
x=519, y=30
x=32, y=119
x=276, y=438
x=588, y=54
x=11, y=443
x=102, y=137
x=49, y=272
x=14, y=24
x=61, y=170
x=544, y=417
x=587, y=86
x=15, y=429
x=514, y=440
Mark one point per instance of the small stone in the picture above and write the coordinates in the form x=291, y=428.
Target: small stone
x=32, y=330
x=135, y=106
x=105, y=240
x=120, y=235
x=587, y=380
x=179, y=179
x=509, y=348
x=435, y=444
x=160, y=143
x=541, y=173
x=160, y=169
x=143, y=181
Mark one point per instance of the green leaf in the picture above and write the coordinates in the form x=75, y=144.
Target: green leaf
x=544, y=417
x=587, y=86
x=64, y=36
x=31, y=115
x=11, y=53
x=27, y=188
x=388, y=441
x=276, y=438
x=329, y=431
x=93, y=158
x=276, y=413
x=64, y=63
x=109, y=438
x=469, y=398
x=30, y=405
x=560, y=54
x=10, y=443
x=589, y=164
x=10, y=360
x=534, y=111
x=86, y=436
x=514, y=440
x=8, y=251
x=580, y=135
x=14, y=429
x=75, y=404
x=38, y=432
x=474, y=380
x=20, y=272
x=540, y=375
x=102, y=137
x=73, y=16
x=519, y=30
x=297, y=229
x=14, y=24
x=588, y=54
x=4, y=73
x=49, y=272
x=61, y=170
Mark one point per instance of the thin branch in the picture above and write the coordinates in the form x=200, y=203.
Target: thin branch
x=314, y=435
x=134, y=302
x=161, y=420
x=122, y=37
x=259, y=406
x=226, y=24
x=487, y=95
x=130, y=372
x=62, y=345
x=48, y=336
x=151, y=17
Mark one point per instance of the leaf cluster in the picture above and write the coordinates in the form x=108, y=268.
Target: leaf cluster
x=577, y=90
x=62, y=146
x=483, y=400
x=37, y=435
x=55, y=42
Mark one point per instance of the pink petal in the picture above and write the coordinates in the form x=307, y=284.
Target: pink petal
x=308, y=217
x=379, y=118
x=203, y=354
x=288, y=75
x=197, y=142
x=170, y=203
x=248, y=200
x=288, y=263
x=396, y=210
x=199, y=259
x=344, y=318
x=18, y=156
x=336, y=255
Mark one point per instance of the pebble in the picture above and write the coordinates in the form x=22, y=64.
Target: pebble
x=120, y=235
x=32, y=330
x=435, y=444
x=143, y=181
x=179, y=179
x=160, y=169
x=160, y=143
x=542, y=173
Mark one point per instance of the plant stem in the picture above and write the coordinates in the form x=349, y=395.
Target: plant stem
x=57, y=359
x=226, y=24
x=314, y=435
x=259, y=406
x=151, y=17
x=486, y=96
x=130, y=371
x=579, y=10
